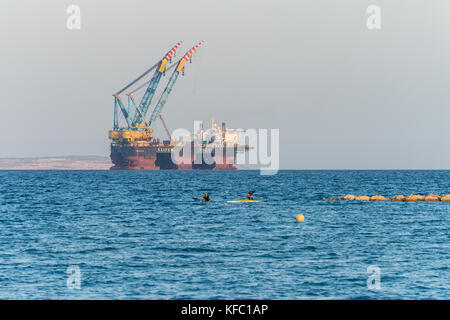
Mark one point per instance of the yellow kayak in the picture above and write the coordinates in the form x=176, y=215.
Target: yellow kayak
x=245, y=200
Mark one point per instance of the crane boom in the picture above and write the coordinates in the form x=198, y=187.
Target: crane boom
x=138, y=78
x=151, y=89
x=173, y=79
x=147, y=82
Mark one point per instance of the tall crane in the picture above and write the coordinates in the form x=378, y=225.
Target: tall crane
x=139, y=115
x=171, y=83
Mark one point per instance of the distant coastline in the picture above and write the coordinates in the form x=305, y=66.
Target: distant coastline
x=104, y=163
x=56, y=163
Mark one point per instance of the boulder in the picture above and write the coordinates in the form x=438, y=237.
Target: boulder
x=414, y=197
x=398, y=198
x=411, y=197
x=432, y=197
x=379, y=198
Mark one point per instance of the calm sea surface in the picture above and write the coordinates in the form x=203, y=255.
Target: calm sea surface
x=139, y=235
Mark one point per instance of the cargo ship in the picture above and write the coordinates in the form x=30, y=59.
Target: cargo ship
x=133, y=145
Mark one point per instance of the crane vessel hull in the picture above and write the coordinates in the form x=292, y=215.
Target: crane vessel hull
x=159, y=157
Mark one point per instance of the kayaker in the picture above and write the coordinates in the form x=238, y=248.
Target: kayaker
x=250, y=195
x=206, y=197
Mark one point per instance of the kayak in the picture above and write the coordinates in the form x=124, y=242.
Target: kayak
x=245, y=200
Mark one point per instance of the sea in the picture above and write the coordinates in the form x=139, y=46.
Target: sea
x=140, y=235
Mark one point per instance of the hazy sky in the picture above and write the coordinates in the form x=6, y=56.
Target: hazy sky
x=342, y=96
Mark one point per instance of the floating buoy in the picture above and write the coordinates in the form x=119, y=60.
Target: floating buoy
x=300, y=218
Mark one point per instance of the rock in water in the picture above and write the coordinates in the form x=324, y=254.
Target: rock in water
x=432, y=197
x=379, y=198
x=411, y=197
x=398, y=198
x=414, y=197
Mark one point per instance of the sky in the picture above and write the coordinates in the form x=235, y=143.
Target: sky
x=342, y=96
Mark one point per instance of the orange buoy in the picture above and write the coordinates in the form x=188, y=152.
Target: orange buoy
x=300, y=218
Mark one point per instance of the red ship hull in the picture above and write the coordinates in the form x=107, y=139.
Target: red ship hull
x=157, y=157
x=133, y=163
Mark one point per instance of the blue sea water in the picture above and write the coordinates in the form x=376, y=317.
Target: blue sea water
x=139, y=235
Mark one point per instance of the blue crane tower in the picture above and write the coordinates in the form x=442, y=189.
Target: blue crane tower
x=141, y=110
x=137, y=127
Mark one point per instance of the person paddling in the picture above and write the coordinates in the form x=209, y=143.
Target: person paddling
x=250, y=195
x=206, y=197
